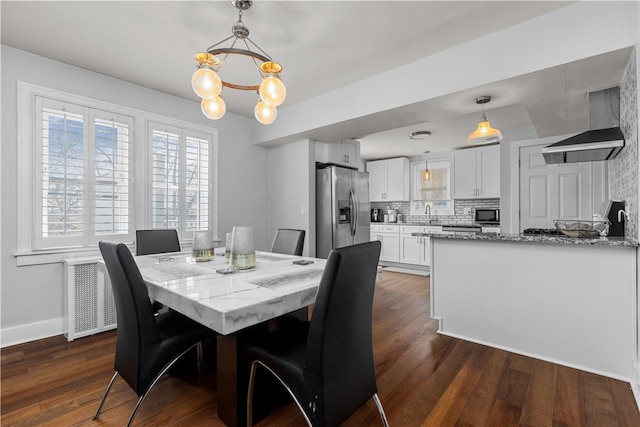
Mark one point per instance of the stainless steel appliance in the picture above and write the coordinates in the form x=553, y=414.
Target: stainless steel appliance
x=342, y=208
x=487, y=216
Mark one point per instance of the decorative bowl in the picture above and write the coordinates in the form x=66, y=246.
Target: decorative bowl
x=579, y=228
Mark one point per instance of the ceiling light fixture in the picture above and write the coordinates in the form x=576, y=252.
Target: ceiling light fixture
x=207, y=83
x=426, y=174
x=420, y=134
x=484, y=134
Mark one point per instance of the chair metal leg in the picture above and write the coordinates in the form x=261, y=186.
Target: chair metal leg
x=250, y=394
x=200, y=354
x=379, y=405
x=155, y=380
x=104, y=397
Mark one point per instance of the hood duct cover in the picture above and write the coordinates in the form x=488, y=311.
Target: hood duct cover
x=603, y=142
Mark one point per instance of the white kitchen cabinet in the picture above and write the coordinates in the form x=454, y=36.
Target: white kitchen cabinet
x=346, y=153
x=389, y=180
x=476, y=173
x=409, y=245
x=389, y=236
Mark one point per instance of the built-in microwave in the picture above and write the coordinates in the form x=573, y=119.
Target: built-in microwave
x=489, y=216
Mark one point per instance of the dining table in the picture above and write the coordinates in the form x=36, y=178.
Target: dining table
x=238, y=306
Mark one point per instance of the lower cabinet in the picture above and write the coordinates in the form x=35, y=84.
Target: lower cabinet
x=390, y=239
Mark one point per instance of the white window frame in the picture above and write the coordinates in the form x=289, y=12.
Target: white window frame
x=26, y=251
x=418, y=205
x=183, y=133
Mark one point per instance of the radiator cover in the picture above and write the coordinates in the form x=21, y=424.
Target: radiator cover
x=89, y=304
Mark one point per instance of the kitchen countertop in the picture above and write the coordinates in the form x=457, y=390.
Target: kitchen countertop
x=536, y=238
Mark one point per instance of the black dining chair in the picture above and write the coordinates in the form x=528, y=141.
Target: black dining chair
x=147, y=345
x=157, y=241
x=327, y=364
x=288, y=241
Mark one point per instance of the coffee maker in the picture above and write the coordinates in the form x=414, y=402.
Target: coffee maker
x=376, y=215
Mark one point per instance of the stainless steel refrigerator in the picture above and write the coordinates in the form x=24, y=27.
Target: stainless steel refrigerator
x=342, y=208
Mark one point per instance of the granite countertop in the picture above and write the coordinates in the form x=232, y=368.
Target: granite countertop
x=536, y=238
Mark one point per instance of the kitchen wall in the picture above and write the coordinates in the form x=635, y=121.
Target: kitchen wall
x=623, y=170
x=461, y=206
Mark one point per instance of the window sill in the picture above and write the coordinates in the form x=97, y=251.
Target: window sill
x=53, y=256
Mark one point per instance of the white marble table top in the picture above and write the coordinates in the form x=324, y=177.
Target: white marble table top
x=227, y=303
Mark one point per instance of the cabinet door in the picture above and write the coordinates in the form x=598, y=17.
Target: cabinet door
x=409, y=249
x=377, y=181
x=390, y=250
x=488, y=171
x=398, y=179
x=464, y=174
x=344, y=153
x=425, y=251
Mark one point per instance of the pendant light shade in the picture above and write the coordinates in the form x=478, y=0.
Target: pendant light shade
x=484, y=134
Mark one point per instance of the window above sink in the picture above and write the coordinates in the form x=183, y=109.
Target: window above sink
x=435, y=192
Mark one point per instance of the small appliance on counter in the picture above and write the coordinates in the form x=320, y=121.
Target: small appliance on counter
x=376, y=215
x=613, y=211
x=391, y=215
x=487, y=216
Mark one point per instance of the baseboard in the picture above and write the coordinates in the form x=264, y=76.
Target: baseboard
x=31, y=332
x=546, y=359
x=635, y=382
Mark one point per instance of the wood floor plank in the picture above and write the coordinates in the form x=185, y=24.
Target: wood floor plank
x=424, y=378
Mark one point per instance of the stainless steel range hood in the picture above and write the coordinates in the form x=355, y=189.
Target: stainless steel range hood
x=603, y=141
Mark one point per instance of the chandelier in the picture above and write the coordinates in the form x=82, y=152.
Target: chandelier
x=484, y=134
x=207, y=83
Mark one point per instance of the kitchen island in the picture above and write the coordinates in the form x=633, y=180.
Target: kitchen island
x=567, y=300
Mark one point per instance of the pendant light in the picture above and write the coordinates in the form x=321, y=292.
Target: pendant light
x=484, y=134
x=426, y=175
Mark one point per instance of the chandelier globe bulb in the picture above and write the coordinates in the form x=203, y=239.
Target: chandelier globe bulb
x=272, y=90
x=265, y=113
x=213, y=108
x=206, y=83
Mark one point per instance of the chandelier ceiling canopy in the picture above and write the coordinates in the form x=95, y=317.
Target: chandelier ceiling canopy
x=207, y=84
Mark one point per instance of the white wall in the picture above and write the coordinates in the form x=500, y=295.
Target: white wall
x=32, y=297
x=292, y=190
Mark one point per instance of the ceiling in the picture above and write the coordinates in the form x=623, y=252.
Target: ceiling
x=323, y=45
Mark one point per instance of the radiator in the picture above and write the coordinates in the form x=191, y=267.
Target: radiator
x=89, y=307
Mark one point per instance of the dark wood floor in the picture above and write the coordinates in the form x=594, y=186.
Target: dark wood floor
x=424, y=379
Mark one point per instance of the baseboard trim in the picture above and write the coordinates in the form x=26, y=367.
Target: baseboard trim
x=31, y=332
x=546, y=359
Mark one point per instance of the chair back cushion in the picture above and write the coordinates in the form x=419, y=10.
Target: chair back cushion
x=288, y=241
x=340, y=369
x=137, y=334
x=156, y=241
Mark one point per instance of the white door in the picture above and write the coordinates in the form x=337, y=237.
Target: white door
x=549, y=192
x=425, y=251
x=488, y=173
x=464, y=174
x=390, y=250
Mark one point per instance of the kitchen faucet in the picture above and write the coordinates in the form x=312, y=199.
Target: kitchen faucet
x=427, y=211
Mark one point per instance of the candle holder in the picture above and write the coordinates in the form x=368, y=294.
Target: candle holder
x=243, y=252
x=202, y=249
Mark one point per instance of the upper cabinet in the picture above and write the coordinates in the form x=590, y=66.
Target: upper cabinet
x=389, y=180
x=345, y=153
x=476, y=173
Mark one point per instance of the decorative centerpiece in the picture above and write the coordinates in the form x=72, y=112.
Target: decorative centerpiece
x=202, y=249
x=243, y=252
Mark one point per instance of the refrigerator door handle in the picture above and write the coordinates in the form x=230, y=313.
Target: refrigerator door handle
x=354, y=212
x=356, y=206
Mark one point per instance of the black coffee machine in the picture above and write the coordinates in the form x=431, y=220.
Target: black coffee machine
x=617, y=216
x=376, y=215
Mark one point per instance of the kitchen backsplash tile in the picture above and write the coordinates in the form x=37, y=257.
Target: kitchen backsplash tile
x=460, y=208
x=623, y=170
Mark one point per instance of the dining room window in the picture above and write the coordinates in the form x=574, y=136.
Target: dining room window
x=180, y=178
x=89, y=170
x=83, y=180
